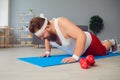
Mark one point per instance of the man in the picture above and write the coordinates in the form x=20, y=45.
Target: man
x=69, y=37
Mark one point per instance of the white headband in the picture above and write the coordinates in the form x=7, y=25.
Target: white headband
x=42, y=28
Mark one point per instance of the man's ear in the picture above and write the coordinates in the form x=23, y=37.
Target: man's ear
x=48, y=28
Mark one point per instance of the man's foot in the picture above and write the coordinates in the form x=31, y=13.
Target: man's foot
x=114, y=45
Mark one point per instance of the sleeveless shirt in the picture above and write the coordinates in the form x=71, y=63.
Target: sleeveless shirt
x=68, y=45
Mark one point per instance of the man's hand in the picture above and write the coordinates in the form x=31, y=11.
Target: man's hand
x=68, y=60
x=44, y=55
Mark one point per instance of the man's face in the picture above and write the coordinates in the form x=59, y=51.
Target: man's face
x=46, y=34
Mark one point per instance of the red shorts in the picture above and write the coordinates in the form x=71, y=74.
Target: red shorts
x=96, y=47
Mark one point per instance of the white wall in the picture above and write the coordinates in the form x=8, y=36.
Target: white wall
x=4, y=12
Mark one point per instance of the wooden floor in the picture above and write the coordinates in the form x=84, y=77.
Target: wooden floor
x=13, y=69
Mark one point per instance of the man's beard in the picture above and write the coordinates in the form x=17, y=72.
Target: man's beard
x=52, y=37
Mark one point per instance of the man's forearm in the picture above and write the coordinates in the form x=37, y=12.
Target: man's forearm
x=80, y=45
x=47, y=45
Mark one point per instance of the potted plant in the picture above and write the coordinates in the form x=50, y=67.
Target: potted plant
x=96, y=24
x=30, y=11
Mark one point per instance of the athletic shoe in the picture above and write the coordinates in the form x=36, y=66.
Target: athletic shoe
x=114, y=46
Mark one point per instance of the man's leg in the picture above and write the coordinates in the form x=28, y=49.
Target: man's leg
x=111, y=43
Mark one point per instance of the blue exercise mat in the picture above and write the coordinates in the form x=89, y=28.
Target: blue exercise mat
x=56, y=59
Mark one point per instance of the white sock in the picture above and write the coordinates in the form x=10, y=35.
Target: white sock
x=105, y=40
x=112, y=41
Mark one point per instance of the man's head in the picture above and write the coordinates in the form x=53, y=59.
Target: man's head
x=37, y=23
x=41, y=28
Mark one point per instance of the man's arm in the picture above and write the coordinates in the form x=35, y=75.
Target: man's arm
x=47, y=45
x=72, y=31
x=47, y=48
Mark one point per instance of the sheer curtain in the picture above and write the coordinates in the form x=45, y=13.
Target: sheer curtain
x=4, y=12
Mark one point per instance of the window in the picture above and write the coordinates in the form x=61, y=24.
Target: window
x=4, y=12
